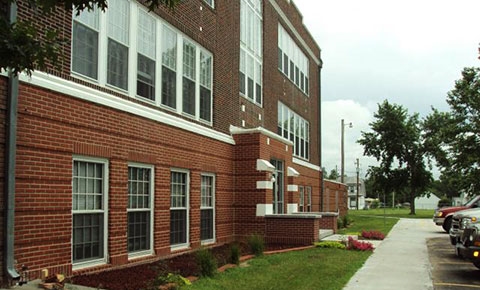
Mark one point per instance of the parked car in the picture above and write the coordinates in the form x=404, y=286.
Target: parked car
x=460, y=220
x=469, y=246
x=443, y=216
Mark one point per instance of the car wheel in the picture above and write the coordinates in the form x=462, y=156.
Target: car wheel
x=476, y=263
x=447, y=224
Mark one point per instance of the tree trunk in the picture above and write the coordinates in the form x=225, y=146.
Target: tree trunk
x=412, y=203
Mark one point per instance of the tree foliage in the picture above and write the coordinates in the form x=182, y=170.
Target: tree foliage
x=453, y=137
x=29, y=49
x=395, y=141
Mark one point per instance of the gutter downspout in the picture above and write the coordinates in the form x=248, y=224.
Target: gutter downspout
x=320, y=131
x=10, y=163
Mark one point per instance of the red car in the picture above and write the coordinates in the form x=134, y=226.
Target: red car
x=443, y=216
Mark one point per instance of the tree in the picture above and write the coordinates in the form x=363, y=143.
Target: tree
x=395, y=141
x=453, y=137
x=333, y=174
x=29, y=49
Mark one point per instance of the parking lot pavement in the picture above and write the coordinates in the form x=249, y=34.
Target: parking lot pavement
x=448, y=271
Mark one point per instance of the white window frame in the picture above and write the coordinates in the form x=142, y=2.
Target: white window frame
x=292, y=53
x=212, y=207
x=186, y=208
x=251, y=44
x=308, y=191
x=104, y=260
x=102, y=55
x=301, y=204
x=151, y=209
x=210, y=3
x=285, y=124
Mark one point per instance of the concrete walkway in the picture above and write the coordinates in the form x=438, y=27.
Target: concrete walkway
x=401, y=260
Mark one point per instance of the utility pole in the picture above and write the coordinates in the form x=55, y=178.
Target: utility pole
x=342, y=149
x=358, y=180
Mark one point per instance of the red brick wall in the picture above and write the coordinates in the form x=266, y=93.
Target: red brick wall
x=3, y=94
x=52, y=128
x=292, y=230
x=331, y=190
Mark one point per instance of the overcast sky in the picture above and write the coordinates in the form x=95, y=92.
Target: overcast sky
x=409, y=52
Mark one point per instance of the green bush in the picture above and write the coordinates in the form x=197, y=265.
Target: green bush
x=444, y=202
x=206, y=263
x=375, y=204
x=256, y=244
x=346, y=220
x=234, y=256
x=330, y=244
x=339, y=223
x=177, y=279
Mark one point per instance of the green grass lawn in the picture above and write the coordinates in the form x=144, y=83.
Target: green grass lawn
x=394, y=212
x=315, y=268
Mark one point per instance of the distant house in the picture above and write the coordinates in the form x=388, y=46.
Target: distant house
x=351, y=183
x=427, y=202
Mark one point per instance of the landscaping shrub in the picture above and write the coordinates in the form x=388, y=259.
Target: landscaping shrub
x=234, y=256
x=256, y=244
x=373, y=235
x=339, y=223
x=175, y=279
x=359, y=245
x=330, y=244
x=346, y=220
x=207, y=264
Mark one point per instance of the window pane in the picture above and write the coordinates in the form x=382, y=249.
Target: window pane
x=118, y=20
x=84, y=50
x=188, y=96
x=189, y=60
x=87, y=237
x=146, y=77
x=117, y=68
x=169, y=87
x=169, y=48
x=138, y=231
x=206, y=224
x=205, y=104
x=146, y=34
x=178, y=227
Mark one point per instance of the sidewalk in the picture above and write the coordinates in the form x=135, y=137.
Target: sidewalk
x=401, y=260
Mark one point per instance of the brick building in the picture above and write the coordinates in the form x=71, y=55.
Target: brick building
x=161, y=132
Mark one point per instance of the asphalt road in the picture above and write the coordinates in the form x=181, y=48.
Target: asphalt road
x=448, y=271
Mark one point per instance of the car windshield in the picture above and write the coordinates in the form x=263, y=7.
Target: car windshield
x=471, y=201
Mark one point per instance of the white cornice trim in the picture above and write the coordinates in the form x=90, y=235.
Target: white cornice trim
x=237, y=131
x=306, y=164
x=295, y=32
x=82, y=92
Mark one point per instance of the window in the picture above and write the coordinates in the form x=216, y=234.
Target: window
x=89, y=192
x=188, y=78
x=294, y=128
x=169, y=75
x=129, y=49
x=293, y=64
x=308, y=190
x=207, y=208
x=210, y=2
x=301, y=204
x=179, y=195
x=278, y=187
x=251, y=50
x=140, y=209
x=85, y=44
x=205, y=87
x=146, y=56
x=118, y=41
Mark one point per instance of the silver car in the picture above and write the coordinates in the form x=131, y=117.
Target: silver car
x=460, y=220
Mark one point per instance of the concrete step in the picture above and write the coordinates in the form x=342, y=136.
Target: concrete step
x=324, y=233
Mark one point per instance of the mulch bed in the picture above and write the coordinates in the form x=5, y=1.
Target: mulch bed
x=143, y=276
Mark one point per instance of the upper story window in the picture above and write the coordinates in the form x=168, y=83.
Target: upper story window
x=292, y=62
x=129, y=49
x=210, y=2
x=251, y=50
x=294, y=128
